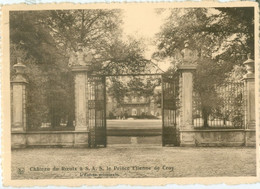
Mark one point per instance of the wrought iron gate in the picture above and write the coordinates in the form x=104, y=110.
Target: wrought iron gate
x=97, y=111
x=170, y=113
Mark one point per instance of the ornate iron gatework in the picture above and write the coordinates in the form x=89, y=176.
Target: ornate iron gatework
x=170, y=110
x=97, y=111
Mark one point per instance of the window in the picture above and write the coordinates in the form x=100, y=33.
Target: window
x=134, y=112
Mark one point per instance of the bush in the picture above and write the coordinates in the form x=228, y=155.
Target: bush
x=143, y=116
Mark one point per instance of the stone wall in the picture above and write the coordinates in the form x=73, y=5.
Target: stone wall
x=222, y=137
x=49, y=139
x=250, y=137
x=213, y=138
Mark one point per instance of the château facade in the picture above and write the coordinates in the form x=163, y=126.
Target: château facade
x=133, y=105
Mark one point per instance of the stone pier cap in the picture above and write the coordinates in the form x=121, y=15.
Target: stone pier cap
x=78, y=68
x=187, y=67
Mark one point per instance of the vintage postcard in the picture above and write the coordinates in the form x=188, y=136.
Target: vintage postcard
x=138, y=93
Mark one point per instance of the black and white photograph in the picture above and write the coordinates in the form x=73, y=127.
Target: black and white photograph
x=128, y=91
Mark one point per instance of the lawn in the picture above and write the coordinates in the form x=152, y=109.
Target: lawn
x=134, y=127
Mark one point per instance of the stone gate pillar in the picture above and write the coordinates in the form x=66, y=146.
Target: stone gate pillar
x=18, y=99
x=187, y=137
x=250, y=124
x=80, y=62
x=81, y=97
x=188, y=66
x=249, y=80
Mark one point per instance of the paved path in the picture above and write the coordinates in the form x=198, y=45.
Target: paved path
x=134, y=127
x=134, y=124
x=130, y=161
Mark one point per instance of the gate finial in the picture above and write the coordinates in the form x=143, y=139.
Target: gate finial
x=20, y=69
x=82, y=57
x=250, y=66
x=189, y=56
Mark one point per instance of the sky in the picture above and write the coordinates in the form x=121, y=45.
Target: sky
x=141, y=22
x=144, y=23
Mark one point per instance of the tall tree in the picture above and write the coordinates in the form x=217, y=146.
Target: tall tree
x=47, y=37
x=31, y=36
x=50, y=37
x=222, y=36
x=219, y=33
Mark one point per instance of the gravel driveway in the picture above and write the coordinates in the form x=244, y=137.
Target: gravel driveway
x=132, y=161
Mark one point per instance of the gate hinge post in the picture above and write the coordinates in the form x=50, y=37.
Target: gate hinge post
x=81, y=97
x=249, y=80
x=187, y=137
x=18, y=85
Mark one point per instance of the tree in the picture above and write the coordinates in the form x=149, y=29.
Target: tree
x=222, y=36
x=49, y=37
x=219, y=33
x=207, y=76
x=33, y=33
x=140, y=86
x=143, y=85
x=31, y=37
x=117, y=89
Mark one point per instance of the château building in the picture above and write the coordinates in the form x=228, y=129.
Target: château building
x=133, y=106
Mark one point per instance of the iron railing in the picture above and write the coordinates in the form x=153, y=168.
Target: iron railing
x=223, y=108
